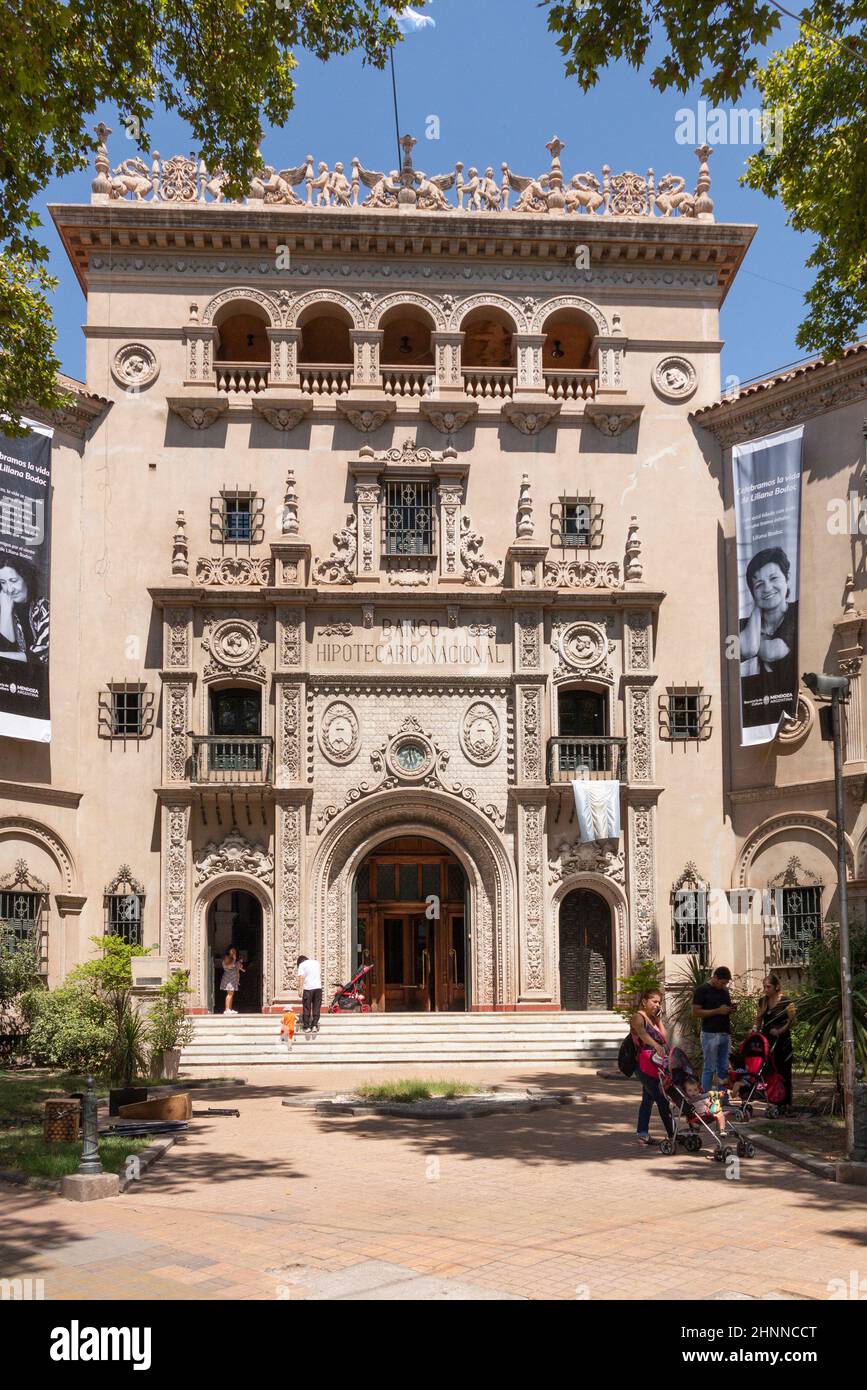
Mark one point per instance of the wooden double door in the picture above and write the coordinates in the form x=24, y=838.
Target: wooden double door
x=411, y=925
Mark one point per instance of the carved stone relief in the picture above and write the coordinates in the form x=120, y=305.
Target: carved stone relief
x=480, y=733
x=234, y=854
x=175, y=892
x=568, y=857
x=338, y=732
x=581, y=649
x=235, y=645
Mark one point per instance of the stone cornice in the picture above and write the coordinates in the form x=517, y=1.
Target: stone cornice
x=786, y=401
x=125, y=228
x=49, y=796
x=78, y=415
x=854, y=782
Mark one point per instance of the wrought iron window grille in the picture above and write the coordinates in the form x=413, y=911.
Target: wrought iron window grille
x=576, y=523
x=409, y=519
x=124, y=900
x=799, y=922
x=237, y=518
x=24, y=911
x=126, y=712
x=685, y=714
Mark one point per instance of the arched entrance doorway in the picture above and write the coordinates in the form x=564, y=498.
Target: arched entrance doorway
x=235, y=919
x=585, y=951
x=410, y=922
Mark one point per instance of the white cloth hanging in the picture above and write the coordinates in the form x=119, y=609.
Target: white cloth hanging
x=597, y=806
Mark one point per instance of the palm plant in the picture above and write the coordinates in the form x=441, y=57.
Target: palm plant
x=128, y=1057
x=820, y=1006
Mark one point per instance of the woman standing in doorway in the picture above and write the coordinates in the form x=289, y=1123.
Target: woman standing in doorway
x=650, y=1038
x=775, y=1018
x=231, y=981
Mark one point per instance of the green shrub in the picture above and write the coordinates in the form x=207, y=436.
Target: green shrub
x=647, y=975
x=128, y=1055
x=70, y=1027
x=18, y=968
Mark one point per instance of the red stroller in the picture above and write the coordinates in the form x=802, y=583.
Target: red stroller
x=755, y=1078
x=350, y=997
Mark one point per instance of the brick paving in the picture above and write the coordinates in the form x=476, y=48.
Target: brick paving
x=284, y=1204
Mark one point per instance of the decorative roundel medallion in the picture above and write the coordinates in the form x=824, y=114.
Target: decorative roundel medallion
x=134, y=366
x=235, y=643
x=480, y=733
x=583, y=647
x=338, y=733
x=792, y=732
x=675, y=378
x=410, y=755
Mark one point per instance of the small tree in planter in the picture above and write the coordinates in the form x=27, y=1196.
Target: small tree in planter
x=170, y=1027
x=110, y=977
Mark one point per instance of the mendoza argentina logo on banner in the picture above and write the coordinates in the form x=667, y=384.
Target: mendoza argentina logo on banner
x=767, y=490
x=25, y=575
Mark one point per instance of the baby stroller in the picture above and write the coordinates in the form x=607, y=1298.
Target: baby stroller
x=350, y=997
x=753, y=1072
x=688, y=1113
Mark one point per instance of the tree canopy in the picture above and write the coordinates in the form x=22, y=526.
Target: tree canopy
x=225, y=68
x=816, y=89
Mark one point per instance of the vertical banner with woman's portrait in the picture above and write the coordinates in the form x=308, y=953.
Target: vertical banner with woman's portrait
x=767, y=491
x=25, y=574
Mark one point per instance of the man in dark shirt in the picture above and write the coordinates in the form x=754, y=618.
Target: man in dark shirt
x=712, y=1003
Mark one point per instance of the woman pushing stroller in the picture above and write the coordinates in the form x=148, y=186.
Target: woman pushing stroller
x=650, y=1040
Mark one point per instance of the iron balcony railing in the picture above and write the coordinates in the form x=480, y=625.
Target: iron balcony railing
x=603, y=758
x=237, y=761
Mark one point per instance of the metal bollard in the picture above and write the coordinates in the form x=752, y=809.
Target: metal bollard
x=90, y=1162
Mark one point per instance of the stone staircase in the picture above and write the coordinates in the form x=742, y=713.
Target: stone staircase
x=585, y=1039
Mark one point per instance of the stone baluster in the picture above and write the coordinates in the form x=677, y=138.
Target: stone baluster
x=703, y=200
x=180, y=550
x=101, y=185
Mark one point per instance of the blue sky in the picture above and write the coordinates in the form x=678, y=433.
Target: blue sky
x=492, y=74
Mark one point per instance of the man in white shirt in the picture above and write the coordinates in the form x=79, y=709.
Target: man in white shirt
x=310, y=975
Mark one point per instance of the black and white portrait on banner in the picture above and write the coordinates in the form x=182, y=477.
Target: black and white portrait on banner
x=25, y=576
x=766, y=475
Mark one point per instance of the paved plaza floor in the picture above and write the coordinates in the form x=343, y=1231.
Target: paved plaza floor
x=286, y=1204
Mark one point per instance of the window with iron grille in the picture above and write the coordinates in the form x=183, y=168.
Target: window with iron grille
x=409, y=517
x=124, y=907
x=689, y=924
x=684, y=713
x=126, y=711
x=800, y=922
x=576, y=523
x=20, y=915
x=237, y=517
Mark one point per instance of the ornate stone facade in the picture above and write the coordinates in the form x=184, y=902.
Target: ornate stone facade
x=435, y=662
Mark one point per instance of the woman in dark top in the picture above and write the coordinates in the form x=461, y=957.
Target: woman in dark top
x=23, y=614
x=775, y=1018
x=649, y=1037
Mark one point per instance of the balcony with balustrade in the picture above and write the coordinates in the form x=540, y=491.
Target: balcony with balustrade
x=595, y=757
x=222, y=761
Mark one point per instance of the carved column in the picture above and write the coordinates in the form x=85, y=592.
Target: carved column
x=289, y=890
x=850, y=657
x=200, y=342
x=367, y=498
x=609, y=356
x=534, y=955
x=447, y=356
x=450, y=495
x=366, y=347
x=638, y=681
x=178, y=682
x=284, y=356
x=174, y=942
x=528, y=347
x=528, y=639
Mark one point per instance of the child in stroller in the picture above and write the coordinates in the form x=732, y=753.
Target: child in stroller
x=753, y=1073
x=693, y=1110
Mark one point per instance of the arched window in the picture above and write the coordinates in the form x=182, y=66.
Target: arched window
x=124, y=907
